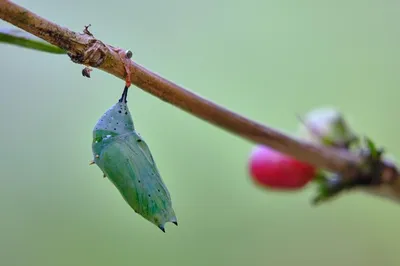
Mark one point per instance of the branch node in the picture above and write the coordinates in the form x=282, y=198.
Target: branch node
x=374, y=172
x=94, y=54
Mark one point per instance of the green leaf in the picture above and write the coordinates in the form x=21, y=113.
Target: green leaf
x=372, y=148
x=27, y=40
x=320, y=176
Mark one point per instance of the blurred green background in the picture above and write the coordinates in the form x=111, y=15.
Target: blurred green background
x=268, y=60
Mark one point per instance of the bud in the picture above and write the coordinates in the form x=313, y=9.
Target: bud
x=273, y=170
x=327, y=126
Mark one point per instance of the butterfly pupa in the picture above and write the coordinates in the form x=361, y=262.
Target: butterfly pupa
x=125, y=159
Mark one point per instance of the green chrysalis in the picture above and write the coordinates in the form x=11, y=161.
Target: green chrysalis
x=126, y=160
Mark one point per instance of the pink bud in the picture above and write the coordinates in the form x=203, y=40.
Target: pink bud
x=272, y=169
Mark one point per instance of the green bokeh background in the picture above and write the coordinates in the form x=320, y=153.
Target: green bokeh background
x=268, y=60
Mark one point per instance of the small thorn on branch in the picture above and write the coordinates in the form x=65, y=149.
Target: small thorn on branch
x=128, y=54
x=86, y=72
x=86, y=30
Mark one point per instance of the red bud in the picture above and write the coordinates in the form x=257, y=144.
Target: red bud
x=272, y=169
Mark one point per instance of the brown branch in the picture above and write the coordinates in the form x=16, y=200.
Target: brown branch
x=84, y=48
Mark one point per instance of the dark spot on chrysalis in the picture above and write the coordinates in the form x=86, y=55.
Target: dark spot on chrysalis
x=126, y=113
x=115, y=128
x=126, y=124
x=158, y=190
x=119, y=111
x=139, y=180
x=148, y=195
x=117, y=123
x=139, y=140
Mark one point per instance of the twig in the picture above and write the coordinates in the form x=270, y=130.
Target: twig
x=84, y=48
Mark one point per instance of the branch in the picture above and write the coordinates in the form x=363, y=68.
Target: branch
x=84, y=48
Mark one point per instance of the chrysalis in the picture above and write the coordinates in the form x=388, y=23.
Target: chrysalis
x=125, y=159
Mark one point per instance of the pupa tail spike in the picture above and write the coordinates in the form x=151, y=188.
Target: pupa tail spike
x=174, y=220
x=124, y=95
x=161, y=226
